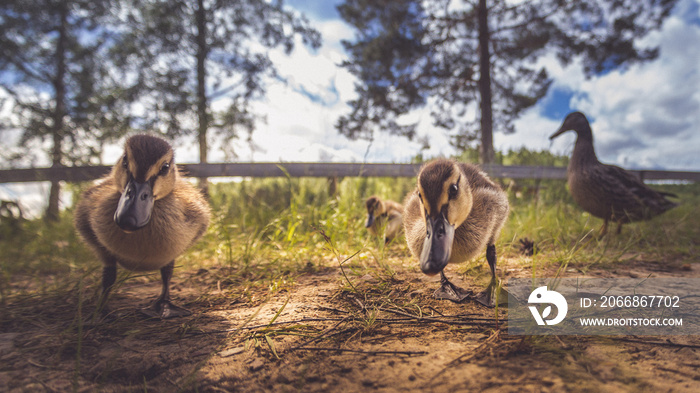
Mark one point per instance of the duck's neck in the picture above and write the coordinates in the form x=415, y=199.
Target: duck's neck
x=583, y=150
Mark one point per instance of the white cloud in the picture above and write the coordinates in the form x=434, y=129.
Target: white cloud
x=638, y=115
x=645, y=116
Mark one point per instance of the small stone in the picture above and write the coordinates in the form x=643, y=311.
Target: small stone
x=7, y=342
x=231, y=352
x=257, y=365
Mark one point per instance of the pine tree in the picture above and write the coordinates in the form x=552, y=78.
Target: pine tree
x=474, y=62
x=55, y=70
x=193, y=53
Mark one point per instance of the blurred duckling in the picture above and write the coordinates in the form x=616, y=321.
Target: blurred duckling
x=454, y=214
x=606, y=191
x=383, y=214
x=142, y=216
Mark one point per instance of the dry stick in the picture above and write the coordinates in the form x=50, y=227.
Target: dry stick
x=476, y=352
x=323, y=333
x=439, y=319
x=474, y=321
x=679, y=372
x=333, y=309
x=462, y=316
x=562, y=343
x=439, y=313
x=408, y=353
x=264, y=325
x=662, y=343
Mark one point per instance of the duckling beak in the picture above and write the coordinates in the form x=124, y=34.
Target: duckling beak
x=370, y=220
x=135, y=206
x=437, y=246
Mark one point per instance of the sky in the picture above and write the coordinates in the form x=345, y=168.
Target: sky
x=647, y=116
x=644, y=117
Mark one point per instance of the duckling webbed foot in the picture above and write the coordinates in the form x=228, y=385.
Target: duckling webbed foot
x=490, y=296
x=164, y=308
x=450, y=291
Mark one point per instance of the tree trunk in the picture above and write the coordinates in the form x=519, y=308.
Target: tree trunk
x=202, y=103
x=52, y=211
x=486, y=150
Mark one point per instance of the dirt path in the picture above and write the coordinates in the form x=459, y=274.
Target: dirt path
x=385, y=334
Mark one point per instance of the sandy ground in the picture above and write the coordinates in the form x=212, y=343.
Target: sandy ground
x=318, y=333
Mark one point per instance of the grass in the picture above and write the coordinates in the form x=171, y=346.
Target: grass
x=266, y=233
x=268, y=230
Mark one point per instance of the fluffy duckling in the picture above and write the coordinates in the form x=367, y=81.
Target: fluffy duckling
x=142, y=216
x=383, y=214
x=606, y=191
x=454, y=214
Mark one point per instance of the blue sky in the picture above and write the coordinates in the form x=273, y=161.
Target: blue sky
x=645, y=116
x=317, y=9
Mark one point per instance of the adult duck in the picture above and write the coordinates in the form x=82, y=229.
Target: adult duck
x=607, y=191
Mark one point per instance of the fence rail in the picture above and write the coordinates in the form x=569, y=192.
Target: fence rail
x=296, y=169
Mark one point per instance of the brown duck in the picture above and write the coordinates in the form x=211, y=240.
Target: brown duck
x=383, y=214
x=454, y=214
x=142, y=216
x=607, y=191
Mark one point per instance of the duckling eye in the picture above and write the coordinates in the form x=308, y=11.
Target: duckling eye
x=164, y=169
x=125, y=163
x=452, y=192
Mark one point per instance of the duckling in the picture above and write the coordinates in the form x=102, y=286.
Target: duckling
x=142, y=216
x=607, y=191
x=454, y=214
x=383, y=213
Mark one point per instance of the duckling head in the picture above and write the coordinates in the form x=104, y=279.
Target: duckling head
x=375, y=207
x=575, y=121
x=446, y=201
x=144, y=174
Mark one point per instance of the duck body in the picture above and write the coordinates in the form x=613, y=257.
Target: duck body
x=607, y=191
x=142, y=216
x=455, y=213
x=385, y=214
x=177, y=221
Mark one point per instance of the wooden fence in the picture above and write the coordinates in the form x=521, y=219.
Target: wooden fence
x=296, y=169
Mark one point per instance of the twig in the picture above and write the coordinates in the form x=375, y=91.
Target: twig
x=407, y=353
x=333, y=309
x=35, y=364
x=477, y=351
x=264, y=326
x=439, y=313
x=359, y=303
x=662, y=343
x=563, y=345
x=323, y=333
x=443, y=319
x=679, y=372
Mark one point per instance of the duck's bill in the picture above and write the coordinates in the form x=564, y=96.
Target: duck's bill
x=437, y=246
x=370, y=220
x=135, y=206
x=560, y=131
